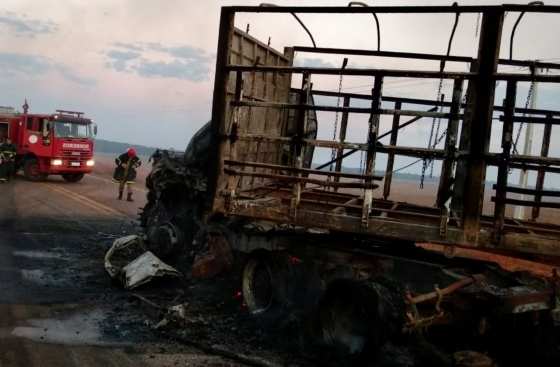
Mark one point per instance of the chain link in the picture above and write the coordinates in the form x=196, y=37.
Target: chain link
x=426, y=162
x=527, y=103
x=335, y=130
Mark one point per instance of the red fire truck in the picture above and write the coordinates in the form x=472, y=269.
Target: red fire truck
x=51, y=144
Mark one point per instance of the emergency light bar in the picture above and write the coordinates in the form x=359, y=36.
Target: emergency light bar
x=78, y=114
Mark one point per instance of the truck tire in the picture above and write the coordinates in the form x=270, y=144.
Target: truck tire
x=73, y=177
x=31, y=171
x=347, y=319
x=267, y=286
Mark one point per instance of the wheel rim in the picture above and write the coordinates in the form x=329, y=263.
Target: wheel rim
x=34, y=169
x=257, y=286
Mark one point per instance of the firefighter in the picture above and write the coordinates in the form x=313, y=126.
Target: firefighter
x=125, y=172
x=7, y=156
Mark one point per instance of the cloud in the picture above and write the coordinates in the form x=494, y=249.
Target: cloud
x=128, y=46
x=118, y=59
x=154, y=60
x=36, y=65
x=23, y=27
x=314, y=62
x=179, y=69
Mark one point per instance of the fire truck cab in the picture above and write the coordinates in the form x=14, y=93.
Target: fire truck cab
x=51, y=144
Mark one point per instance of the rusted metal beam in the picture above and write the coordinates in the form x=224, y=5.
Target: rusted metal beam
x=508, y=263
x=527, y=159
x=528, y=167
x=373, y=130
x=541, y=78
x=507, y=141
x=483, y=101
x=396, y=9
x=300, y=179
x=446, y=176
x=391, y=156
x=541, y=173
x=542, y=204
x=420, y=56
x=396, y=54
x=395, y=73
x=398, y=150
x=536, y=120
x=526, y=191
x=343, y=109
x=301, y=170
x=445, y=291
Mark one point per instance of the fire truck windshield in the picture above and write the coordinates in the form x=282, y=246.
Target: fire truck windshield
x=72, y=130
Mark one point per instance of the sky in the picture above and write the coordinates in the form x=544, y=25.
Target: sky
x=143, y=69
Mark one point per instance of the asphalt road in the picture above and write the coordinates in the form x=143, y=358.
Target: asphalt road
x=57, y=305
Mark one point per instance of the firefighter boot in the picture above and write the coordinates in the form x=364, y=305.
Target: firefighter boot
x=120, y=195
x=129, y=197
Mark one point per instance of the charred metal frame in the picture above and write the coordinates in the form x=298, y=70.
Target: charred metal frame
x=311, y=197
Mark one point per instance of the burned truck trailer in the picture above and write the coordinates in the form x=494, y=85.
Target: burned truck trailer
x=328, y=240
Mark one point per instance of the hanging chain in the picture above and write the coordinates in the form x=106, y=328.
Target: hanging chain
x=426, y=162
x=527, y=103
x=335, y=130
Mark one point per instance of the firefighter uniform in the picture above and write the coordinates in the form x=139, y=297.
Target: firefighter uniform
x=7, y=158
x=125, y=172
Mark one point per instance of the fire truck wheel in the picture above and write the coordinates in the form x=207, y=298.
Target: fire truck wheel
x=31, y=171
x=74, y=177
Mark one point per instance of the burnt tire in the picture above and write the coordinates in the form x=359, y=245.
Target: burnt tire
x=268, y=286
x=347, y=320
x=31, y=171
x=73, y=177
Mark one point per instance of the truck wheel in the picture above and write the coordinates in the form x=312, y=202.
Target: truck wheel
x=73, y=177
x=31, y=171
x=267, y=289
x=347, y=319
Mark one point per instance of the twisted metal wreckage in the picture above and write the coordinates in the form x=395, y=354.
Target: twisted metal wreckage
x=312, y=239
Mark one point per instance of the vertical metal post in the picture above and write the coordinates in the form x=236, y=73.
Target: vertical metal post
x=483, y=90
x=219, y=104
x=299, y=150
x=519, y=211
x=446, y=176
x=391, y=156
x=372, y=141
x=342, y=138
x=507, y=141
x=541, y=173
x=464, y=143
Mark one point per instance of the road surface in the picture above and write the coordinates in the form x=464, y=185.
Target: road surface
x=57, y=305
